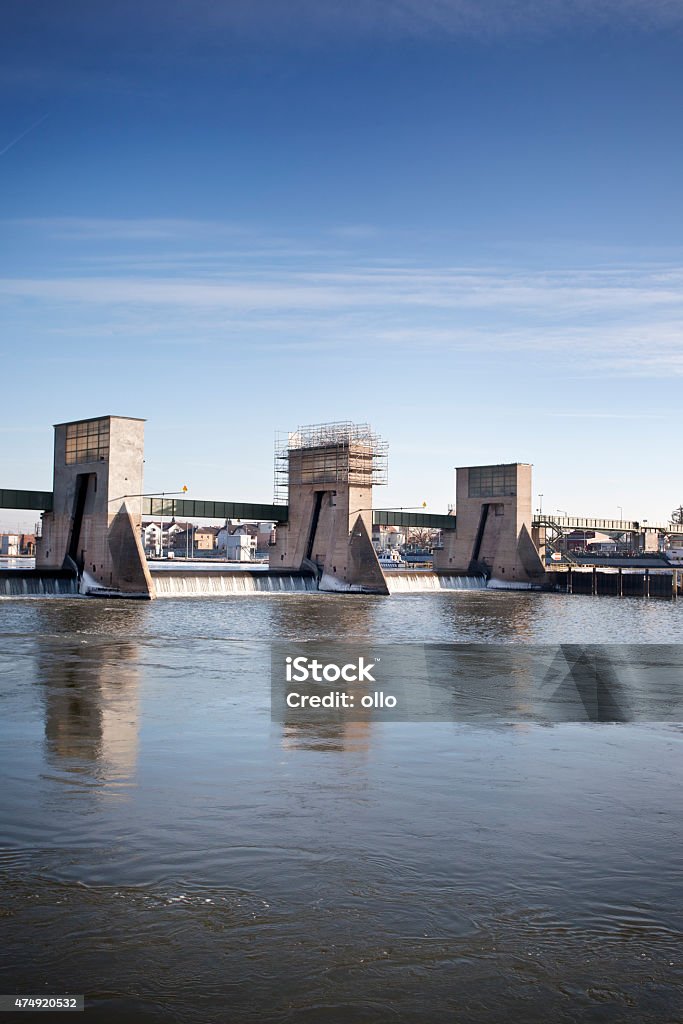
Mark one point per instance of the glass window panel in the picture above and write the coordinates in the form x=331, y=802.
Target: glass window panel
x=492, y=481
x=87, y=441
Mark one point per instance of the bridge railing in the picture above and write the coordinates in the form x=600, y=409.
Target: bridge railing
x=620, y=525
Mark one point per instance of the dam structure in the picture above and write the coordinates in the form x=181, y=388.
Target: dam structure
x=493, y=529
x=93, y=526
x=327, y=472
x=322, y=518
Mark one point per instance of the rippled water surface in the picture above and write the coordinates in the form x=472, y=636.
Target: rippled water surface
x=169, y=851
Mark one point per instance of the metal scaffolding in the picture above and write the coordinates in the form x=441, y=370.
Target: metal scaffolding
x=329, y=454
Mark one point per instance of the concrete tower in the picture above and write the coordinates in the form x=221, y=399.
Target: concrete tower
x=94, y=524
x=327, y=472
x=493, y=525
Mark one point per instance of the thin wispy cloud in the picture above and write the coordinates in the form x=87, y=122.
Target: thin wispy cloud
x=617, y=322
x=532, y=293
x=155, y=229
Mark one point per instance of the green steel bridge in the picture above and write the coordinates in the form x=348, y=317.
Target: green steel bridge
x=191, y=508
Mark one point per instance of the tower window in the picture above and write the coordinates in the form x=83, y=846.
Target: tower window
x=87, y=442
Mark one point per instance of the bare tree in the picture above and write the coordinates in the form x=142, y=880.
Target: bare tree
x=421, y=537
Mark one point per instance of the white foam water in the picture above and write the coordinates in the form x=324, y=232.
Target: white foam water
x=330, y=584
x=37, y=586
x=423, y=582
x=204, y=584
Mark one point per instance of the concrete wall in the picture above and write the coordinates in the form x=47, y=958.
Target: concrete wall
x=493, y=530
x=96, y=502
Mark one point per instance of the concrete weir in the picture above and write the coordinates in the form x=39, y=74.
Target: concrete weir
x=38, y=583
x=219, y=583
x=430, y=582
x=93, y=526
x=322, y=520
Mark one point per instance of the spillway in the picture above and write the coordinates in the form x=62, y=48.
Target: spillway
x=421, y=582
x=222, y=583
x=37, y=583
x=219, y=582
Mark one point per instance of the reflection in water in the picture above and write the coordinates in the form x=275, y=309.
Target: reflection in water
x=479, y=615
x=91, y=697
x=323, y=734
x=356, y=619
x=338, y=616
x=91, y=707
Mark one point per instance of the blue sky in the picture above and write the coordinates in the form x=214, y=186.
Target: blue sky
x=458, y=221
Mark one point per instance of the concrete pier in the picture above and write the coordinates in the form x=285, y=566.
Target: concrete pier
x=329, y=471
x=94, y=524
x=493, y=526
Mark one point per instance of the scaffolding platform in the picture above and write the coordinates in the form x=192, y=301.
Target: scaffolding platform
x=329, y=454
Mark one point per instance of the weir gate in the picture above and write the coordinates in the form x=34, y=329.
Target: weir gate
x=323, y=513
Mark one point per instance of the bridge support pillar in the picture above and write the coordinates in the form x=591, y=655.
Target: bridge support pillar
x=493, y=531
x=94, y=525
x=330, y=471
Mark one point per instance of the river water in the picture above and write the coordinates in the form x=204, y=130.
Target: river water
x=174, y=854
